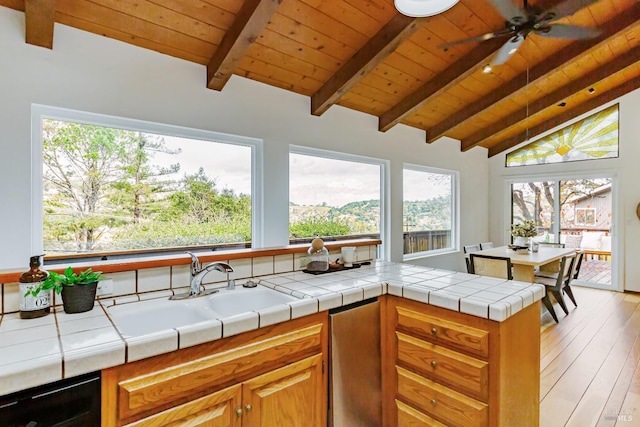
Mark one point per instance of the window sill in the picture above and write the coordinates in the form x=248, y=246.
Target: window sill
x=133, y=263
x=430, y=254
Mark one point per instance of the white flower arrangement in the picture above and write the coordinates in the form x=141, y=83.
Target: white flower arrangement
x=525, y=229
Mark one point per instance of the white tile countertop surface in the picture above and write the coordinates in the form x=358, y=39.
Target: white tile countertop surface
x=43, y=350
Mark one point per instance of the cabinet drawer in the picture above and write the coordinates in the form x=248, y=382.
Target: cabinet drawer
x=443, y=332
x=144, y=394
x=453, y=408
x=212, y=410
x=463, y=373
x=411, y=417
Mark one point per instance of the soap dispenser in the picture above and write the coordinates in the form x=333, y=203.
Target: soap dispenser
x=30, y=306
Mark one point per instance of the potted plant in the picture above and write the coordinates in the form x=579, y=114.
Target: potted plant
x=78, y=290
x=523, y=232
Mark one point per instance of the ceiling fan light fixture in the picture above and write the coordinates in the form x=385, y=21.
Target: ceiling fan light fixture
x=420, y=8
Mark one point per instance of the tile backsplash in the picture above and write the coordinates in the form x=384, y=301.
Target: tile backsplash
x=170, y=279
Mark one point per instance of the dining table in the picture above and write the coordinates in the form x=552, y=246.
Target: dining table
x=525, y=261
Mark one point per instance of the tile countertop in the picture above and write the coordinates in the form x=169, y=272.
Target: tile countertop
x=43, y=350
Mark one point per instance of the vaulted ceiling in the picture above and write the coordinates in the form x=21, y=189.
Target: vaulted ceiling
x=364, y=55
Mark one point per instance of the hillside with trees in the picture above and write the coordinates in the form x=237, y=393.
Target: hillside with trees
x=364, y=217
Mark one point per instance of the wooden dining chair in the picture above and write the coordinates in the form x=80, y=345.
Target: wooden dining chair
x=555, y=285
x=492, y=266
x=486, y=245
x=467, y=250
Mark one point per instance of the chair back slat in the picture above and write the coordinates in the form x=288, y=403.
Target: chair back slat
x=551, y=244
x=486, y=245
x=491, y=266
x=471, y=248
x=578, y=263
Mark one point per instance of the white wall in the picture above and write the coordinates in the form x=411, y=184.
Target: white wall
x=625, y=171
x=91, y=73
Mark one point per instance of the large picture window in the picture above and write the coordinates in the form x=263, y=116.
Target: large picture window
x=110, y=189
x=429, y=210
x=333, y=194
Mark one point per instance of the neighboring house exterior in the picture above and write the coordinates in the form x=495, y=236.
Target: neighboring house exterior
x=593, y=211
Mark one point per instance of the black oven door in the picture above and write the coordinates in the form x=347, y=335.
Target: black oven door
x=73, y=402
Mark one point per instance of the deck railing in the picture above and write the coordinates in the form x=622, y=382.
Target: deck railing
x=421, y=241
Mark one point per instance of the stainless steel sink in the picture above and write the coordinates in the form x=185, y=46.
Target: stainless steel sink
x=146, y=317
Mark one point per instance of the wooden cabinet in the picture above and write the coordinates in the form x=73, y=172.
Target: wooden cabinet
x=272, y=376
x=442, y=367
x=289, y=396
x=218, y=409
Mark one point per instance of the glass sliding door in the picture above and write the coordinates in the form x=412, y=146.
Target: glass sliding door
x=587, y=216
x=577, y=213
x=535, y=201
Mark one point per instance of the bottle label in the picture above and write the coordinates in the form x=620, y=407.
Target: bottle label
x=31, y=303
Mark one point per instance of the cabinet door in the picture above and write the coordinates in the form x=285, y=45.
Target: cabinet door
x=214, y=410
x=294, y=395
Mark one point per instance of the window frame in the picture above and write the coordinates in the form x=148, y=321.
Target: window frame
x=593, y=216
x=41, y=112
x=385, y=233
x=455, y=211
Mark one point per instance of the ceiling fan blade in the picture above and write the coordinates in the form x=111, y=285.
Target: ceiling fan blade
x=561, y=31
x=509, y=11
x=566, y=8
x=507, y=49
x=480, y=38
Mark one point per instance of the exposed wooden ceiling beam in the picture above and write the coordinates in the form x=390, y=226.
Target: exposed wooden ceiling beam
x=564, y=117
x=39, y=19
x=252, y=18
x=456, y=72
x=448, y=78
x=620, y=63
x=618, y=24
x=385, y=42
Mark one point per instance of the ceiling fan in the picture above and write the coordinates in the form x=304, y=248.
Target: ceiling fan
x=521, y=22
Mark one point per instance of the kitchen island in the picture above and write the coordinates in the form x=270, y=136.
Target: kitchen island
x=502, y=318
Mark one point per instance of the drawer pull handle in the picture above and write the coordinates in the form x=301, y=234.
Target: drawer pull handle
x=239, y=412
x=433, y=363
x=433, y=402
x=248, y=408
x=434, y=331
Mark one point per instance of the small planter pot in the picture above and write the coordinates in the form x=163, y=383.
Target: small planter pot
x=79, y=298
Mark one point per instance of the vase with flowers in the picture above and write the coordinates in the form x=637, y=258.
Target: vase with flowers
x=523, y=232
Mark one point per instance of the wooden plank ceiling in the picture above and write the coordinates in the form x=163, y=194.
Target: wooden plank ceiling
x=364, y=55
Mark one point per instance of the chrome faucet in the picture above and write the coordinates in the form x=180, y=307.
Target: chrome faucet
x=198, y=273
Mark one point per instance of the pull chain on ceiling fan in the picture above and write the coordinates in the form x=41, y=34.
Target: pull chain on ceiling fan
x=521, y=22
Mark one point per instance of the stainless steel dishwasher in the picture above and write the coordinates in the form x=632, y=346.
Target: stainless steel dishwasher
x=355, y=385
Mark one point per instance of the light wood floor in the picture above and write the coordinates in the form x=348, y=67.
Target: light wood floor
x=590, y=362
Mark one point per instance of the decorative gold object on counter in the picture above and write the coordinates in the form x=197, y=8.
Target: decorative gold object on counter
x=318, y=256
